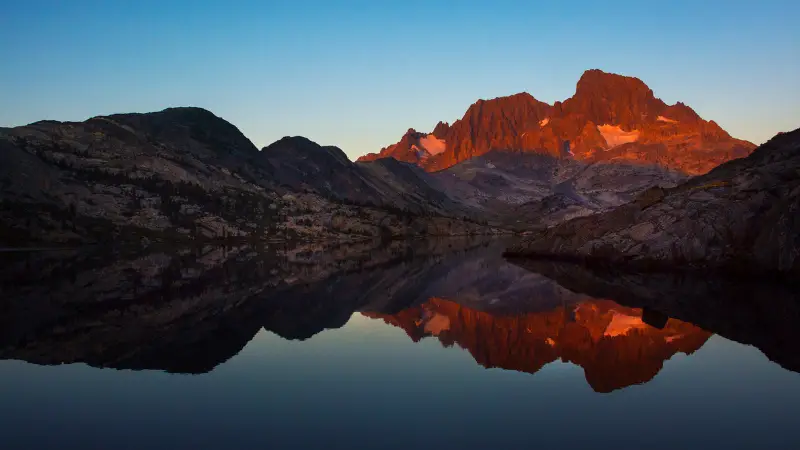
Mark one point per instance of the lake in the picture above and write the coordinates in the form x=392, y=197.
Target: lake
x=419, y=344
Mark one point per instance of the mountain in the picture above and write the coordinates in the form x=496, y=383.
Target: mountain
x=299, y=164
x=615, y=345
x=741, y=216
x=610, y=118
x=528, y=189
x=184, y=173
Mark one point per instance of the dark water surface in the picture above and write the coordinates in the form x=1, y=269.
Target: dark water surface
x=397, y=345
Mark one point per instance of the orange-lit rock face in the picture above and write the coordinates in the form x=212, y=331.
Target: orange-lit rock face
x=610, y=117
x=615, y=347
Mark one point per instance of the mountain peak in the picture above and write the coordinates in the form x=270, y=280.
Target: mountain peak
x=594, y=78
x=441, y=129
x=298, y=141
x=524, y=97
x=190, y=122
x=597, y=84
x=294, y=146
x=611, y=116
x=187, y=109
x=174, y=114
x=609, y=98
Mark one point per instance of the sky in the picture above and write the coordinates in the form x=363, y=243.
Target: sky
x=358, y=74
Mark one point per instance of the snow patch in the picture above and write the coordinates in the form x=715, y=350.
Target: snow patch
x=544, y=121
x=614, y=135
x=490, y=166
x=674, y=338
x=437, y=324
x=432, y=144
x=622, y=324
x=666, y=119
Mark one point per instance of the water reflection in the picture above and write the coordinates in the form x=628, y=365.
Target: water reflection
x=612, y=343
x=762, y=313
x=190, y=310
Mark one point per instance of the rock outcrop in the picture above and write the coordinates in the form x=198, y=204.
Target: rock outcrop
x=742, y=216
x=610, y=118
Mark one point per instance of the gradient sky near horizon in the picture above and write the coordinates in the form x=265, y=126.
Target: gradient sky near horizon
x=358, y=74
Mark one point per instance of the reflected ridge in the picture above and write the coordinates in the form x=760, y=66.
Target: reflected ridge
x=188, y=310
x=612, y=343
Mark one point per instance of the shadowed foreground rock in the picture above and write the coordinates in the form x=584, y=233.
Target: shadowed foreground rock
x=743, y=216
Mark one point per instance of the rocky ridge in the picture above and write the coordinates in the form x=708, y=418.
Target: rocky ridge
x=610, y=118
x=186, y=174
x=741, y=216
x=614, y=344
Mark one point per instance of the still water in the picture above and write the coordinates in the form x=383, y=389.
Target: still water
x=397, y=345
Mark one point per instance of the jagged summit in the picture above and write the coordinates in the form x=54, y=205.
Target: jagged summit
x=592, y=79
x=610, y=117
x=441, y=129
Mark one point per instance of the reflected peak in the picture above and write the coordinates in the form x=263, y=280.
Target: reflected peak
x=612, y=343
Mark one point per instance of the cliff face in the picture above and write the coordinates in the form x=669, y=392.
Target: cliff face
x=613, y=344
x=500, y=123
x=610, y=117
x=741, y=216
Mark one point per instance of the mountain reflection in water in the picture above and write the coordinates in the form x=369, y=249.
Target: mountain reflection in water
x=391, y=345
x=190, y=310
x=612, y=343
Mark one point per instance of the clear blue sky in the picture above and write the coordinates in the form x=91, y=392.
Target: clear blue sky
x=357, y=74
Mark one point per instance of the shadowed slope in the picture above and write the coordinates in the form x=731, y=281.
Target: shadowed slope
x=742, y=216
